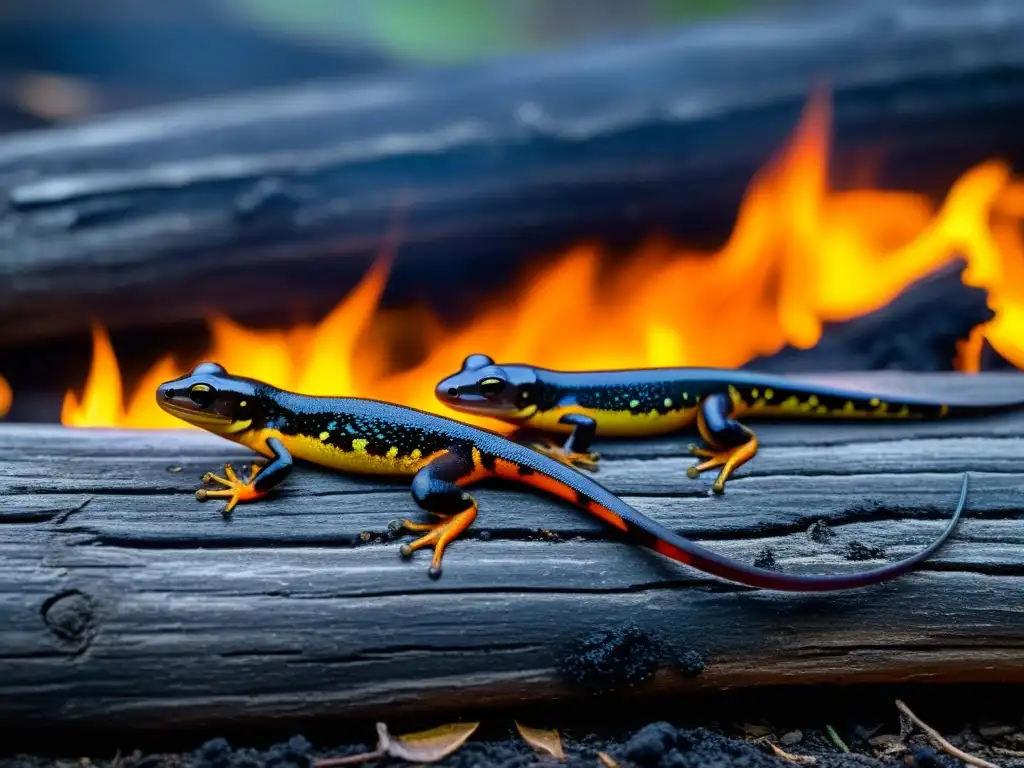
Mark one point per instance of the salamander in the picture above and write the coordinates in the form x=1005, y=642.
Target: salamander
x=442, y=456
x=657, y=401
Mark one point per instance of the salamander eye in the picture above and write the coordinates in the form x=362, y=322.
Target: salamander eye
x=491, y=386
x=202, y=394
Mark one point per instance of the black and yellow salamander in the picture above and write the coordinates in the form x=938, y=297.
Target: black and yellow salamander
x=442, y=456
x=658, y=401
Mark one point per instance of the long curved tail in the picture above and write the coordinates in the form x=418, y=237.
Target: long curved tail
x=563, y=481
x=666, y=542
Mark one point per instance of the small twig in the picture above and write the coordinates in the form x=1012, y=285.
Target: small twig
x=791, y=757
x=835, y=738
x=1007, y=751
x=940, y=742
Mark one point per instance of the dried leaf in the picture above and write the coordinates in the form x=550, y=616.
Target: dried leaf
x=543, y=741
x=426, y=746
x=607, y=760
x=422, y=747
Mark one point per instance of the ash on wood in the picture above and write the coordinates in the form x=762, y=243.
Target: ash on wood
x=122, y=599
x=286, y=195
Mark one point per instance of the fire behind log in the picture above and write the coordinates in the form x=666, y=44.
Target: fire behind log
x=919, y=330
x=264, y=204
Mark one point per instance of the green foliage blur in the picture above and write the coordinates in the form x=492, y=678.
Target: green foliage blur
x=451, y=31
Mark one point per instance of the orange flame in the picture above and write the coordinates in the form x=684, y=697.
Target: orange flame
x=6, y=397
x=800, y=255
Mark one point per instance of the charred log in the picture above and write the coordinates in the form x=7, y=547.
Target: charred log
x=123, y=599
x=917, y=331
x=284, y=196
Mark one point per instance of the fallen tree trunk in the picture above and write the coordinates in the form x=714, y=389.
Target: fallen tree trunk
x=285, y=196
x=124, y=600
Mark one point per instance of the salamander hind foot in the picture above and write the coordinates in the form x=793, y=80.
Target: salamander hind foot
x=729, y=459
x=437, y=535
x=435, y=490
x=730, y=444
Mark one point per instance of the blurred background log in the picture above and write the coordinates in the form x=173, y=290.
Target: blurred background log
x=269, y=205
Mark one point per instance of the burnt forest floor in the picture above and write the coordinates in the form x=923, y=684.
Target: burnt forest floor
x=812, y=726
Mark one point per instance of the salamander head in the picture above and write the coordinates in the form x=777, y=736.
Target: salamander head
x=210, y=398
x=483, y=388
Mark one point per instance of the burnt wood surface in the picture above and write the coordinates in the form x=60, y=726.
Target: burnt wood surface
x=266, y=204
x=125, y=601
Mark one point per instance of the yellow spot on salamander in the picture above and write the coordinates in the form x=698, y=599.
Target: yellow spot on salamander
x=686, y=395
x=242, y=404
x=753, y=393
x=668, y=402
x=634, y=403
x=904, y=411
x=324, y=435
x=392, y=452
x=769, y=394
x=943, y=410
x=848, y=407
x=791, y=402
x=359, y=444
x=734, y=394
x=874, y=402
x=812, y=401
x=416, y=453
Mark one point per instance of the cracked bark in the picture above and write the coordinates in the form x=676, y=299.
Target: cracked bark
x=123, y=599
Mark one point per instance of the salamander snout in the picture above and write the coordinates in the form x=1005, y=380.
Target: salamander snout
x=447, y=390
x=484, y=388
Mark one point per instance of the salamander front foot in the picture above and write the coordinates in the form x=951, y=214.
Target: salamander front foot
x=438, y=535
x=587, y=461
x=235, y=489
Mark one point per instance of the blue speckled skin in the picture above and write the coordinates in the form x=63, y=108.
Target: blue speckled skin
x=713, y=402
x=611, y=396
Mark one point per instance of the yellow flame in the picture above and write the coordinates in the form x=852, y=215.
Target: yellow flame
x=799, y=255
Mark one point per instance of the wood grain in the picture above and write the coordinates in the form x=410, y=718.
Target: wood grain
x=123, y=599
